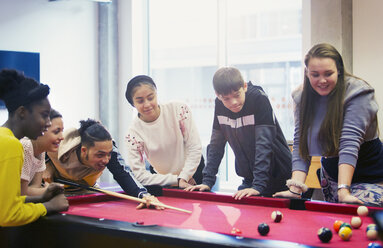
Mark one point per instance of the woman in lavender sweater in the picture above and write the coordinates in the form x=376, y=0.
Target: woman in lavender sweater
x=336, y=118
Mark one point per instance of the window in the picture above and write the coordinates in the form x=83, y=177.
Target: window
x=189, y=40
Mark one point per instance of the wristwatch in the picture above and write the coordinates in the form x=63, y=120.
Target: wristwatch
x=344, y=186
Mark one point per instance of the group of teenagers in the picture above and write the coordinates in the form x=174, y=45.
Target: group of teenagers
x=335, y=117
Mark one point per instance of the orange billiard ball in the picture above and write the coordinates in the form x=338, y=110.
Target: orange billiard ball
x=337, y=225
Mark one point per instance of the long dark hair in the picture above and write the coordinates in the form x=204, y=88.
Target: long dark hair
x=330, y=130
x=92, y=131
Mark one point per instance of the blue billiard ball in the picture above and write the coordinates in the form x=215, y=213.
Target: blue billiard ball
x=374, y=245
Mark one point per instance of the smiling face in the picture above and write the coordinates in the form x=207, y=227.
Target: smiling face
x=36, y=120
x=145, y=101
x=53, y=136
x=98, y=155
x=235, y=100
x=322, y=74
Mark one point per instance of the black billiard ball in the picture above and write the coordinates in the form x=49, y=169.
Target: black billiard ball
x=263, y=229
x=324, y=234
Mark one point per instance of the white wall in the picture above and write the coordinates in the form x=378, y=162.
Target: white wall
x=65, y=35
x=367, y=46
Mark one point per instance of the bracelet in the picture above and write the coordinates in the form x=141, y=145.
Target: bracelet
x=292, y=182
x=344, y=186
x=142, y=194
x=295, y=193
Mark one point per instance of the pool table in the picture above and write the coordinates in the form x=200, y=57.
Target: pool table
x=99, y=220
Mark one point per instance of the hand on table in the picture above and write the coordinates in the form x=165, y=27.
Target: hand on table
x=200, y=187
x=149, y=199
x=52, y=190
x=245, y=193
x=57, y=204
x=286, y=194
x=344, y=196
x=183, y=184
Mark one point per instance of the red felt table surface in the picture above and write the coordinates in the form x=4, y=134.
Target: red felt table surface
x=216, y=215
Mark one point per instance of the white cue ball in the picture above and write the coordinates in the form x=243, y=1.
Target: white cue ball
x=356, y=222
x=362, y=211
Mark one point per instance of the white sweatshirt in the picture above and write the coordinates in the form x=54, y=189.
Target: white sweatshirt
x=171, y=144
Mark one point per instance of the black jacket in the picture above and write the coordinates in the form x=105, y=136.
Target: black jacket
x=262, y=155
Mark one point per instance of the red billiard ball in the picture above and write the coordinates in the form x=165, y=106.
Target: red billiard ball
x=276, y=216
x=236, y=231
x=263, y=229
x=324, y=234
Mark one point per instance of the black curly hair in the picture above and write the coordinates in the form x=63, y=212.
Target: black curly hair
x=18, y=90
x=91, y=131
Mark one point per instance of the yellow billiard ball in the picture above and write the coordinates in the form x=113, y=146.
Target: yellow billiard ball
x=345, y=233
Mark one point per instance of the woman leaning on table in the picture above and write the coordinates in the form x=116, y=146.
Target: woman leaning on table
x=336, y=118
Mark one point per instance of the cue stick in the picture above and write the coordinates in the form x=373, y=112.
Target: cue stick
x=119, y=195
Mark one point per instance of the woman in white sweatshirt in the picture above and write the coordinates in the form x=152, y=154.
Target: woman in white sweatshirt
x=163, y=134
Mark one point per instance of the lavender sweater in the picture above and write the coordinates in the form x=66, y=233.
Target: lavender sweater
x=359, y=124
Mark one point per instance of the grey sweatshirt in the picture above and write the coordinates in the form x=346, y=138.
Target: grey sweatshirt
x=359, y=124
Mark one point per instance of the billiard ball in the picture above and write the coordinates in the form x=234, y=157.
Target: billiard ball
x=276, y=216
x=236, y=231
x=345, y=233
x=337, y=225
x=345, y=224
x=374, y=245
x=362, y=211
x=356, y=222
x=263, y=229
x=324, y=234
x=372, y=232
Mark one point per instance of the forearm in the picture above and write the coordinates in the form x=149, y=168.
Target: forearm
x=35, y=191
x=34, y=199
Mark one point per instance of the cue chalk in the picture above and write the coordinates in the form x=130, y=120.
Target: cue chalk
x=119, y=195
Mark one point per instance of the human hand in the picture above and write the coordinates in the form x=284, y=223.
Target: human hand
x=344, y=196
x=192, y=181
x=183, y=184
x=52, y=190
x=286, y=194
x=57, y=204
x=200, y=187
x=245, y=193
x=149, y=200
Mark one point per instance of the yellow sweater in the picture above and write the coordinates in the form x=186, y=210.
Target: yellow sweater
x=13, y=209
